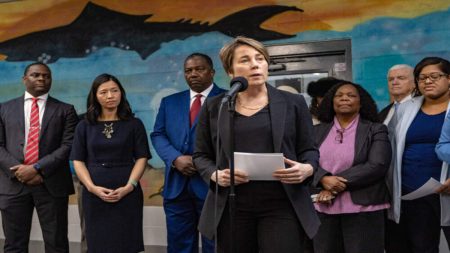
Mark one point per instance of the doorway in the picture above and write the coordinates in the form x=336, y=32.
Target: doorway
x=296, y=65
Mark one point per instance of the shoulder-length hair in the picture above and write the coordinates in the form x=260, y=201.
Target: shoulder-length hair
x=367, y=111
x=94, y=108
x=441, y=63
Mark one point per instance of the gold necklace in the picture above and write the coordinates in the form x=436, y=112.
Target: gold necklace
x=252, y=108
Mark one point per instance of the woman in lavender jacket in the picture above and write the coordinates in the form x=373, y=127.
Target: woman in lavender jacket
x=355, y=154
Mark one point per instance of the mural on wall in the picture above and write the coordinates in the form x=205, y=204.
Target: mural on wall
x=98, y=27
x=144, y=42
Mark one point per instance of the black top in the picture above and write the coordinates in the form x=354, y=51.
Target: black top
x=128, y=142
x=253, y=134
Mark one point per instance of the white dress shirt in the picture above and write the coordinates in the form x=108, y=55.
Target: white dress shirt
x=204, y=93
x=392, y=110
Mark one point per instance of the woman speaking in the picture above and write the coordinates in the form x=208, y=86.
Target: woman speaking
x=270, y=216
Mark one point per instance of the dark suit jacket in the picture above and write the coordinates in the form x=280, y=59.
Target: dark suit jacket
x=55, y=140
x=172, y=136
x=372, y=159
x=383, y=113
x=292, y=136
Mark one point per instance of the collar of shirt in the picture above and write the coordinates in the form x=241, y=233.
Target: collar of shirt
x=29, y=96
x=404, y=99
x=337, y=125
x=204, y=93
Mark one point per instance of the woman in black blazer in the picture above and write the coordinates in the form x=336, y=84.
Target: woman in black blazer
x=355, y=154
x=271, y=216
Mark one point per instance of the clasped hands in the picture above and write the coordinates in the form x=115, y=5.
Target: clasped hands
x=185, y=165
x=332, y=186
x=110, y=195
x=27, y=174
x=295, y=174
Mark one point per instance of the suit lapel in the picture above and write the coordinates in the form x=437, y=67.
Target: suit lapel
x=183, y=114
x=361, y=133
x=277, y=107
x=50, y=108
x=216, y=91
x=224, y=129
x=322, y=132
x=21, y=117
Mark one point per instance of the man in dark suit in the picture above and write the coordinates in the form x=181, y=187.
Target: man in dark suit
x=173, y=138
x=36, y=133
x=401, y=86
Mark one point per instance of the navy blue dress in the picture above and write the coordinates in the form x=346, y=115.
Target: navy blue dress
x=112, y=227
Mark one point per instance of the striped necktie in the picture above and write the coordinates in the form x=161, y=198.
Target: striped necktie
x=32, y=149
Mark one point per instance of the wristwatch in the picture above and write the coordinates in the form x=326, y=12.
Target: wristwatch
x=37, y=166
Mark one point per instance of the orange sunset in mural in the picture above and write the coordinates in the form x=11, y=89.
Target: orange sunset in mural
x=21, y=17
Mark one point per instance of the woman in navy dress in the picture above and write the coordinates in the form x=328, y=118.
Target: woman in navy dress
x=110, y=152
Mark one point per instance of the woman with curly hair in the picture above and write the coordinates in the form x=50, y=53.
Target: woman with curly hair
x=317, y=90
x=355, y=154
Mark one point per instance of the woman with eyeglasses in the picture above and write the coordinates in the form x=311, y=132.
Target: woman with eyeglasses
x=355, y=154
x=417, y=126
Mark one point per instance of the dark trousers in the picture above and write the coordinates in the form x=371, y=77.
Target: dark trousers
x=265, y=221
x=83, y=243
x=17, y=213
x=419, y=230
x=182, y=215
x=350, y=233
x=447, y=235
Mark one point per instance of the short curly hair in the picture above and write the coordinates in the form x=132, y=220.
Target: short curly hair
x=368, y=110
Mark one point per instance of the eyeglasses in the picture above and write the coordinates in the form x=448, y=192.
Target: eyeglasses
x=434, y=77
x=339, y=136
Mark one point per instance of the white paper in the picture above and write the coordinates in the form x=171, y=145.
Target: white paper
x=259, y=166
x=428, y=188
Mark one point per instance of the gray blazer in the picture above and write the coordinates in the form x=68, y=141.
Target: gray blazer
x=55, y=140
x=366, y=176
x=398, y=127
x=292, y=136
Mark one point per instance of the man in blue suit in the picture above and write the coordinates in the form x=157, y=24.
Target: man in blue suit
x=173, y=138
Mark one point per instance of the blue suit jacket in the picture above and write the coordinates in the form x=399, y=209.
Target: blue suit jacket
x=172, y=137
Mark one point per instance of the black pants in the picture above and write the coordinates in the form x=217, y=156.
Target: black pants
x=350, y=233
x=265, y=221
x=419, y=230
x=83, y=243
x=17, y=213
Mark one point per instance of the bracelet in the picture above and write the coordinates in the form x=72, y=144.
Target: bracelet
x=133, y=183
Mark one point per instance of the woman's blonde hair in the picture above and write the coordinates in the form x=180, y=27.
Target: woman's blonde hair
x=227, y=52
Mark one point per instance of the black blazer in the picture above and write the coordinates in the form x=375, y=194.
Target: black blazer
x=292, y=136
x=55, y=141
x=372, y=159
x=383, y=113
